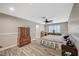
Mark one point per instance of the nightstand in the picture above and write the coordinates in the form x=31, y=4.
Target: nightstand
x=71, y=50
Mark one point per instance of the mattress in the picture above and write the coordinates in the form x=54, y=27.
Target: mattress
x=53, y=38
x=52, y=41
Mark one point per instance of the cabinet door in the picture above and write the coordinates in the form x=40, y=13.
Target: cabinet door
x=27, y=31
x=23, y=34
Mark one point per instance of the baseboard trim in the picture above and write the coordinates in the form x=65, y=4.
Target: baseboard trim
x=4, y=48
x=1, y=49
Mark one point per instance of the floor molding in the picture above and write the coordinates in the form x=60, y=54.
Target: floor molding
x=4, y=48
x=1, y=49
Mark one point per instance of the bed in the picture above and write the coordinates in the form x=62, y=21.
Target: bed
x=52, y=41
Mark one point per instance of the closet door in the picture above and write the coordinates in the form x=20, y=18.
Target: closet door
x=23, y=36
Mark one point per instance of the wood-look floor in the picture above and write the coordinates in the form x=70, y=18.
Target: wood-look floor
x=32, y=49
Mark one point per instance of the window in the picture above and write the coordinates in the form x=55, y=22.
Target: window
x=54, y=28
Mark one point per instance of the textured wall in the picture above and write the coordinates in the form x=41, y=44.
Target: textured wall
x=8, y=29
x=73, y=25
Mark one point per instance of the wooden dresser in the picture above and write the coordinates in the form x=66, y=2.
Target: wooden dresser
x=23, y=36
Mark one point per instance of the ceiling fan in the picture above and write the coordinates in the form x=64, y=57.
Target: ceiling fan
x=46, y=20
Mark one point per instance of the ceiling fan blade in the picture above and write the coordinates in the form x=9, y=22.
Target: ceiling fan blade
x=46, y=20
x=50, y=21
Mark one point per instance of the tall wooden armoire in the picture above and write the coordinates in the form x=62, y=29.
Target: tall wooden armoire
x=23, y=36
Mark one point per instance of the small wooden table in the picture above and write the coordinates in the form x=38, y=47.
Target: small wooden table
x=72, y=50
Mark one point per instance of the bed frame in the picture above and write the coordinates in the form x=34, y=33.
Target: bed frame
x=49, y=33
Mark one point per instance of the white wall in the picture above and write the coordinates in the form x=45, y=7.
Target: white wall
x=9, y=28
x=64, y=27
x=39, y=28
x=73, y=25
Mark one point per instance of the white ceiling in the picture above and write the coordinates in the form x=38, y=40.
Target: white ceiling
x=59, y=12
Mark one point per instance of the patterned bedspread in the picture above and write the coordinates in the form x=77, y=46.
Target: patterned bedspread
x=52, y=41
